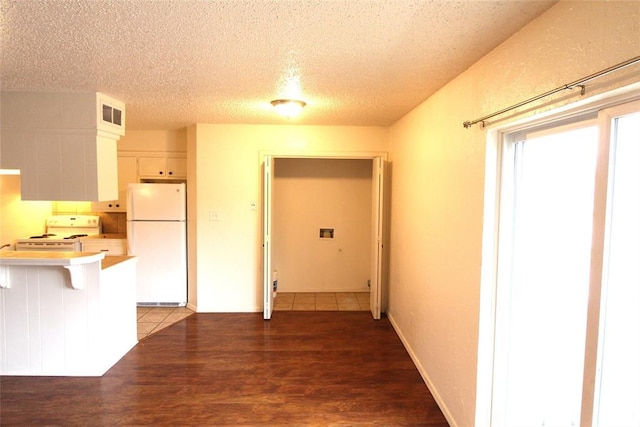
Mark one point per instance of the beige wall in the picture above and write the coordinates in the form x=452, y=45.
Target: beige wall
x=309, y=194
x=228, y=263
x=438, y=181
x=154, y=140
x=18, y=218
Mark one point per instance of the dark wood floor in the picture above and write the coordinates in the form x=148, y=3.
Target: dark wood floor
x=300, y=368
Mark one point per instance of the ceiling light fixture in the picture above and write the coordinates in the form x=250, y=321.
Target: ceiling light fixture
x=288, y=107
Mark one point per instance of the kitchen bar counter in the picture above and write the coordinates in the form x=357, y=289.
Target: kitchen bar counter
x=72, y=261
x=60, y=258
x=65, y=313
x=48, y=258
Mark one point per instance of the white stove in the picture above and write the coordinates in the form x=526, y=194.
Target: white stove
x=63, y=233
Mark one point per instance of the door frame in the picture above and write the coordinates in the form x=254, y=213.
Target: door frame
x=271, y=156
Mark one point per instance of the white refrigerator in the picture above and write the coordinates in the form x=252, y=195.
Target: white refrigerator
x=157, y=235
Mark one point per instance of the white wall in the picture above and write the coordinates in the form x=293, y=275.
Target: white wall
x=309, y=194
x=228, y=263
x=438, y=181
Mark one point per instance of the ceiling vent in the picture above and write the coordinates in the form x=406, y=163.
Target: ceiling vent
x=111, y=115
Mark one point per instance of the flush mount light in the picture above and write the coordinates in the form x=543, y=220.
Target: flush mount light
x=288, y=107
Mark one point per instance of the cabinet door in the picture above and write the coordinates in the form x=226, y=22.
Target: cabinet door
x=108, y=246
x=127, y=173
x=68, y=166
x=155, y=167
x=176, y=167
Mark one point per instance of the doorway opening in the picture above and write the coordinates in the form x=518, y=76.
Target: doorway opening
x=323, y=231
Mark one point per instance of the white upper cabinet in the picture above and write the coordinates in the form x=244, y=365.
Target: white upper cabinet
x=177, y=167
x=65, y=144
x=126, y=175
x=162, y=167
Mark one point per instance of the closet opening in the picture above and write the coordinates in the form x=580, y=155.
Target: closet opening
x=323, y=234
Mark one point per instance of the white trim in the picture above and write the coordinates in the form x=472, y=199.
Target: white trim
x=488, y=277
x=599, y=284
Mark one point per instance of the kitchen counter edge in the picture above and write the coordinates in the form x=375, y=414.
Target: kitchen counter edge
x=49, y=258
x=112, y=260
x=61, y=258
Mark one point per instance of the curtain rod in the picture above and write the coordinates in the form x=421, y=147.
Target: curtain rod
x=577, y=83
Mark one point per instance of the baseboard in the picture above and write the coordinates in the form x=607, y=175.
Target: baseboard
x=423, y=374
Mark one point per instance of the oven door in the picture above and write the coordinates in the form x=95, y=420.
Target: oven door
x=48, y=245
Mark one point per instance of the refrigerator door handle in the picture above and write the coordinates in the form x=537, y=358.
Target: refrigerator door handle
x=130, y=238
x=130, y=199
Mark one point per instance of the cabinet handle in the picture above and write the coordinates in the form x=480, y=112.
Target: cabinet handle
x=110, y=205
x=170, y=173
x=118, y=205
x=161, y=172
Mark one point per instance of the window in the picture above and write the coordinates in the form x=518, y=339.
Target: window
x=617, y=390
x=564, y=287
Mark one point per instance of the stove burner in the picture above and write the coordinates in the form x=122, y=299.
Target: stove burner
x=46, y=235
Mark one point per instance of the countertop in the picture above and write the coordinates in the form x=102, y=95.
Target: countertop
x=111, y=260
x=49, y=258
x=60, y=258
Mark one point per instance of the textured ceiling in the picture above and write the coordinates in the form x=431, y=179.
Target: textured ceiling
x=179, y=62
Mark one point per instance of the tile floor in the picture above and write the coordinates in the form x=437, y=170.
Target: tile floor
x=322, y=301
x=154, y=319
